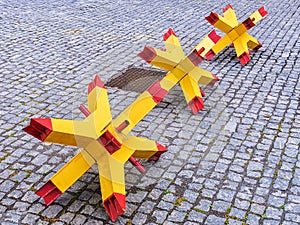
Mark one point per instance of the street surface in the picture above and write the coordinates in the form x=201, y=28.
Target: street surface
x=235, y=162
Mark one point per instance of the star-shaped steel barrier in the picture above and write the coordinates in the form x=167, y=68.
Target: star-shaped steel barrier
x=235, y=33
x=106, y=141
x=102, y=143
x=183, y=69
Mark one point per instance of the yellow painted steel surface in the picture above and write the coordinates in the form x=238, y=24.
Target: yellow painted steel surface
x=236, y=33
x=72, y=171
x=206, y=44
x=166, y=60
x=102, y=139
x=102, y=143
x=190, y=88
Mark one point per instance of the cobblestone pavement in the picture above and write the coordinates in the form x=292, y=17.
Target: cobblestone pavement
x=236, y=162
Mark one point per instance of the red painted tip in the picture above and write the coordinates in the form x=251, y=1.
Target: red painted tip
x=97, y=82
x=49, y=192
x=210, y=54
x=157, y=92
x=262, y=11
x=212, y=18
x=39, y=128
x=212, y=83
x=257, y=47
x=148, y=54
x=115, y=205
x=161, y=149
x=137, y=164
x=196, y=104
x=244, y=58
x=227, y=7
x=202, y=92
x=214, y=36
x=248, y=23
x=195, y=57
x=168, y=34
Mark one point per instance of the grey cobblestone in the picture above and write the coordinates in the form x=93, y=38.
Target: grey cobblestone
x=52, y=211
x=147, y=207
x=79, y=219
x=177, y=216
x=139, y=218
x=196, y=216
x=212, y=219
x=160, y=216
x=30, y=219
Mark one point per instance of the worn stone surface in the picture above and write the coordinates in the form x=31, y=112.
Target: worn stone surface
x=237, y=161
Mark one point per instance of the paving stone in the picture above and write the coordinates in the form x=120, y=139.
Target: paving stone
x=88, y=209
x=196, y=216
x=225, y=194
x=139, y=218
x=155, y=194
x=292, y=207
x=67, y=217
x=8, y=201
x=288, y=223
x=212, y=219
x=29, y=197
x=273, y=213
x=79, y=219
x=276, y=201
x=271, y=222
x=253, y=219
x=237, y=213
x=58, y=223
x=21, y=206
x=221, y=206
x=36, y=208
x=52, y=211
x=204, y=205
x=207, y=193
x=147, y=206
x=75, y=206
x=30, y=219
x=7, y=185
x=177, y=216
x=93, y=222
x=258, y=209
x=236, y=222
x=160, y=216
x=241, y=204
x=190, y=196
x=12, y=217
x=165, y=205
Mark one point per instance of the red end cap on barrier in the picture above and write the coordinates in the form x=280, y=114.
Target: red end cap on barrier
x=168, y=34
x=196, y=104
x=49, y=192
x=227, y=7
x=148, y=54
x=39, y=128
x=212, y=18
x=97, y=82
x=115, y=205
